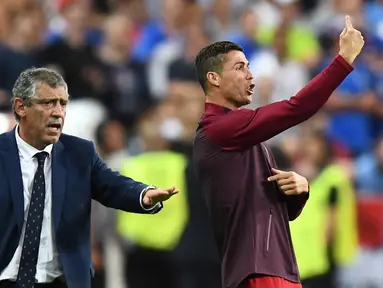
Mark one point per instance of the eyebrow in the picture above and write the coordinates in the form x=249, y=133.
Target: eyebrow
x=53, y=99
x=243, y=63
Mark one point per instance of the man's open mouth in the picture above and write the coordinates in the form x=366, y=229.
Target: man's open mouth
x=54, y=127
x=250, y=89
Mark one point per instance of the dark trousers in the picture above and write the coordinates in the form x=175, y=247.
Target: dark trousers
x=98, y=281
x=55, y=284
x=199, y=275
x=148, y=268
x=325, y=280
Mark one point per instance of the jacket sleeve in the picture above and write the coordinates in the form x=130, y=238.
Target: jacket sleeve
x=113, y=190
x=295, y=204
x=244, y=128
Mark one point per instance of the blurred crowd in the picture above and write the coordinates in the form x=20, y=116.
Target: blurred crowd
x=133, y=89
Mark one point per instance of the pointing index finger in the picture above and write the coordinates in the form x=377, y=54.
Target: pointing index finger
x=348, y=23
x=276, y=171
x=278, y=176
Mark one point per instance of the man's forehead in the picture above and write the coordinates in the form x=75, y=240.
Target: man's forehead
x=236, y=56
x=47, y=92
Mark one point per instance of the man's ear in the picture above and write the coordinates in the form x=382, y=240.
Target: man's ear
x=213, y=78
x=19, y=107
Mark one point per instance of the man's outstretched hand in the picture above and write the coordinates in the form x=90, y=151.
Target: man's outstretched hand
x=290, y=183
x=351, y=42
x=153, y=196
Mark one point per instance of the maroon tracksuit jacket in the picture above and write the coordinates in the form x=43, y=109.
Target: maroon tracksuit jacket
x=249, y=214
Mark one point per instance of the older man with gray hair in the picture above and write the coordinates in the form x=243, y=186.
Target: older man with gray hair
x=47, y=181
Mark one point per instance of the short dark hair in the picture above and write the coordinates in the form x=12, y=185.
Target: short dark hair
x=212, y=58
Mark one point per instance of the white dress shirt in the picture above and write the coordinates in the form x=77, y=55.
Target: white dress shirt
x=48, y=265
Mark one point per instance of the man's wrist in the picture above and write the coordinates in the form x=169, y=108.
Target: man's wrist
x=349, y=59
x=143, y=205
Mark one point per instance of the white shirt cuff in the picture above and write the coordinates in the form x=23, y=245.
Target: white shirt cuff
x=155, y=207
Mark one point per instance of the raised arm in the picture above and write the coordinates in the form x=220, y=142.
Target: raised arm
x=244, y=128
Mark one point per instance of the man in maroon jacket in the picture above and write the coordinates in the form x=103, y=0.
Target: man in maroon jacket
x=249, y=200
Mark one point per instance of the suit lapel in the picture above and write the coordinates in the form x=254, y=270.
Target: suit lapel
x=59, y=172
x=12, y=167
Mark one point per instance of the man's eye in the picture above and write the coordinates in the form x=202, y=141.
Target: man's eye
x=49, y=103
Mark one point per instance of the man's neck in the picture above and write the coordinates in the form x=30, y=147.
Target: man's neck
x=213, y=99
x=28, y=139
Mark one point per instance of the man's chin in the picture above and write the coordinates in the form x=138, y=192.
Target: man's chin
x=248, y=100
x=52, y=139
x=243, y=101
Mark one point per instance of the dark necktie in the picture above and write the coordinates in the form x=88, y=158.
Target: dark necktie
x=30, y=251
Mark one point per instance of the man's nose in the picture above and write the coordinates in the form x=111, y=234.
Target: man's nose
x=58, y=110
x=250, y=76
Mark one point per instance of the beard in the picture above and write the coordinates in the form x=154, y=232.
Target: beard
x=242, y=100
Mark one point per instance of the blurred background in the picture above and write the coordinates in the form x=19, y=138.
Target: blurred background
x=129, y=67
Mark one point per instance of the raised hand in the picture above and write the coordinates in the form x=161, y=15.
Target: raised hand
x=153, y=196
x=351, y=42
x=290, y=183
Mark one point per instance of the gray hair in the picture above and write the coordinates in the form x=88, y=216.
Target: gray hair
x=30, y=80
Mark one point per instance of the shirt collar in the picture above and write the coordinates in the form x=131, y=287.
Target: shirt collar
x=215, y=108
x=27, y=151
